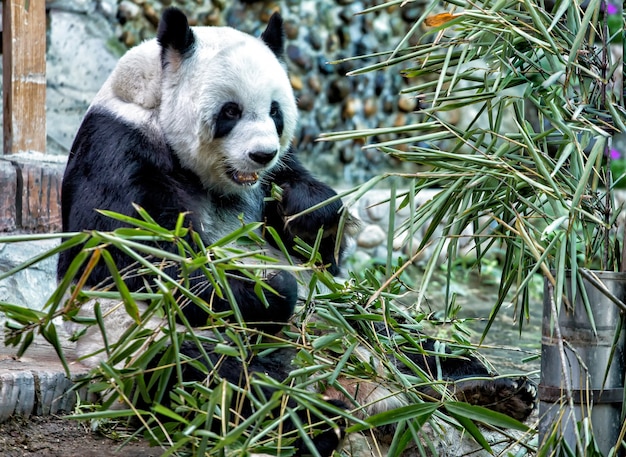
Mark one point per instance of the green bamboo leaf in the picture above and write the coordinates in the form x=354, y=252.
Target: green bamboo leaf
x=419, y=411
x=74, y=240
x=162, y=410
x=129, y=303
x=582, y=30
x=149, y=225
x=49, y=332
x=22, y=314
x=244, y=230
x=105, y=414
x=472, y=429
x=29, y=337
x=227, y=350
x=484, y=415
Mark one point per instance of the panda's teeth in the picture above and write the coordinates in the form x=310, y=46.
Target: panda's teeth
x=245, y=178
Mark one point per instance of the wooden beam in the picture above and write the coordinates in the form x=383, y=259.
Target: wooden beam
x=24, y=75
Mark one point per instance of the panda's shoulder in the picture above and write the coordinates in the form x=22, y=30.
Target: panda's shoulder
x=133, y=90
x=106, y=138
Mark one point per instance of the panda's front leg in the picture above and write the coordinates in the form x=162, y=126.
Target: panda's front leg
x=299, y=192
x=269, y=315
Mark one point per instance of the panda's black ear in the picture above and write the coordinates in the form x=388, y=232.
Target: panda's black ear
x=174, y=32
x=274, y=35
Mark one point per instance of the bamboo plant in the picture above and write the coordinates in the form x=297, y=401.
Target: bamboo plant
x=202, y=418
x=526, y=169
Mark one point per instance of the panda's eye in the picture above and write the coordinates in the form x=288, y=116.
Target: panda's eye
x=231, y=111
x=277, y=116
x=274, y=109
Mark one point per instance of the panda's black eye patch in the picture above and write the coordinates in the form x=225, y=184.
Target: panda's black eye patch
x=228, y=116
x=277, y=116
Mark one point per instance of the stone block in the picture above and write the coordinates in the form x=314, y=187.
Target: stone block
x=36, y=383
x=8, y=395
x=54, y=393
x=8, y=191
x=40, y=196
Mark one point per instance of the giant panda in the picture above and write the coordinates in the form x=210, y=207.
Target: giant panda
x=200, y=121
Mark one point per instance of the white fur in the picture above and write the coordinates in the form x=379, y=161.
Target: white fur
x=219, y=224
x=133, y=90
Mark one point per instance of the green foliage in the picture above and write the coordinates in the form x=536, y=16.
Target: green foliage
x=525, y=169
x=518, y=101
x=139, y=378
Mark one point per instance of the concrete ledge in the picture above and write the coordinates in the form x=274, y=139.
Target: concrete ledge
x=36, y=384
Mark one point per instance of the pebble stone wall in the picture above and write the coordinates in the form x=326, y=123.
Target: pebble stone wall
x=86, y=38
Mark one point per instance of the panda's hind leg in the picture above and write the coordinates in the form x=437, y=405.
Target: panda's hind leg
x=472, y=382
x=515, y=397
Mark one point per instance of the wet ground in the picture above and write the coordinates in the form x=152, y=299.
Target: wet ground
x=52, y=436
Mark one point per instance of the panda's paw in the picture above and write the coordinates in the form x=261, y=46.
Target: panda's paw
x=269, y=312
x=299, y=197
x=325, y=438
x=283, y=302
x=515, y=397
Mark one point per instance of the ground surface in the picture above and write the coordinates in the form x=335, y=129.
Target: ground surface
x=52, y=436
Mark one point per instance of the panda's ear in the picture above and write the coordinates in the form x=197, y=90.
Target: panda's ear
x=174, y=32
x=274, y=35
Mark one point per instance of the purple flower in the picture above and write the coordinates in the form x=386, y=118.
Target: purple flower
x=614, y=154
x=611, y=8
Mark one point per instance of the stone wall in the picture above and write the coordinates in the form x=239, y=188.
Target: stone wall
x=86, y=37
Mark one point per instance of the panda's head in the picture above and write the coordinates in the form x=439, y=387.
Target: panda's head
x=227, y=108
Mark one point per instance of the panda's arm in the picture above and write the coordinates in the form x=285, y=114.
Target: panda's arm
x=300, y=191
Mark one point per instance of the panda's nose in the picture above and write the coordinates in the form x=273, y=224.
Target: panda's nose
x=263, y=157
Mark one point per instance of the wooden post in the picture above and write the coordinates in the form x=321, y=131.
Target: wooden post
x=24, y=75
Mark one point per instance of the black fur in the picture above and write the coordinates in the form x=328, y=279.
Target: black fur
x=514, y=397
x=276, y=113
x=230, y=114
x=274, y=35
x=227, y=118
x=174, y=32
x=277, y=365
x=300, y=191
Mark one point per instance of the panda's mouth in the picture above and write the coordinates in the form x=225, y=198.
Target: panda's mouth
x=243, y=178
